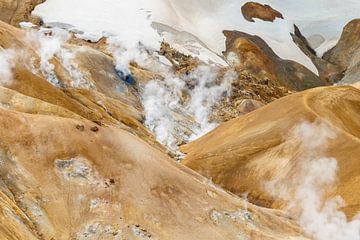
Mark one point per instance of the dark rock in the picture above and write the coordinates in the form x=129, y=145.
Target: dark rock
x=127, y=78
x=94, y=129
x=79, y=127
x=98, y=123
x=265, y=12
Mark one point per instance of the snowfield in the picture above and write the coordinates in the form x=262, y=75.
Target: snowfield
x=195, y=27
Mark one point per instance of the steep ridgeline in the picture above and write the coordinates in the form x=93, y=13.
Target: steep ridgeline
x=346, y=52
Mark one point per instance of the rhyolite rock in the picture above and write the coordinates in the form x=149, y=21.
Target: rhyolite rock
x=253, y=54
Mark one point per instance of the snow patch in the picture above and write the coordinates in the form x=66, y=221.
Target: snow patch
x=195, y=27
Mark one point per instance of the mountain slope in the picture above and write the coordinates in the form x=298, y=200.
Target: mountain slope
x=97, y=96
x=77, y=162
x=64, y=181
x=244, y=154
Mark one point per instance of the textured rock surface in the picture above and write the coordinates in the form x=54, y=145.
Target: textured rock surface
x=248, y=93
x=342, y=53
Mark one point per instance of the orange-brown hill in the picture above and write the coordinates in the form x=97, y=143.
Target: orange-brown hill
x=77, y=163
x=244, y=153
x=109, y=101
x=61, y=178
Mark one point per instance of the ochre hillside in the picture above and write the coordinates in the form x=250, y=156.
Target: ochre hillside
x=78, y=163
x=63, y=178
x=98, y=117
x=243, y=154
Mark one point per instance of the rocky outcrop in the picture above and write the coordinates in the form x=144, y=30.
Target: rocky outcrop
x=16, y=11
x=251, y=10
x=346, y=52
x=182, y=63
x=328, y=72
x=248, y=93
x=342, y=53
x=254, y=55
x=246, y=153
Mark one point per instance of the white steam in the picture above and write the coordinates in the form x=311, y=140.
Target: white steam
x=78, y=80
x=124, y=53
x=177, y=109
x=50, y=44
x=6, y=64
x=205, y=95
x=161, y=100
x=320, y=219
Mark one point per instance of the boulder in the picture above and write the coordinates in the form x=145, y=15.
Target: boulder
x=251, y=10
